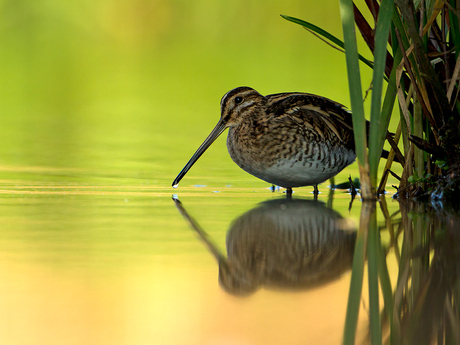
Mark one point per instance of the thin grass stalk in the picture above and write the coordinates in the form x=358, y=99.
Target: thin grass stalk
x=417, y=267
x=453, y=81
x=417, y=84
x=404, y=101
x=373, y=280
x=453, y=321
x=397, y=250
x=407, y=171
x=373, y=7
x=404, y=133
x=391, y=156
x=452, y=332
x=435, y=11
x=399, y=85
x=456, y=299
x=403, y=277
x=368, y=34
x=357, y=273
x=387, y=110
x=388, y=102
x=428, y=157
x=388, y=223
x=384, y=276
x=399, y=26
x=399, y=299
x=419, y=162
x=385, y=285
x=412, y=68
x=438, y=99
x=407, y=116
x=454, y=19
x=380, y=120
x=444, y=49
x=356, y=96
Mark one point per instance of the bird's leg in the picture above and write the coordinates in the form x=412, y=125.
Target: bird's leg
x=315, y=192
x=352, y=187
x=289, y=193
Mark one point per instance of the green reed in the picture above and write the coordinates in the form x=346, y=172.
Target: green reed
x=421, y=70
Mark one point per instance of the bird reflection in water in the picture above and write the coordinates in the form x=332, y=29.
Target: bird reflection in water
x=288, y=244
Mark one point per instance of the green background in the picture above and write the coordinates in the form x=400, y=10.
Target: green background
x=122, y=92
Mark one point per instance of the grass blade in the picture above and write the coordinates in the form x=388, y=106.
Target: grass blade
x=454, y=19
x=356, y=95
x=357, y=273
x=325, y=34
x=368, y=35
x=354, y=79
x=373, y=268
x=385, y=282
x=380, y=55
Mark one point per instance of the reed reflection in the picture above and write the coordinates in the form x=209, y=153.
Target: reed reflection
x=426, y=298
x=422, y=307
x=287, y=244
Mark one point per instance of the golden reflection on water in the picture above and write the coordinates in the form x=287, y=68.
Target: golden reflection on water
x=162, y=304
x=109, y=265
x=124, y=269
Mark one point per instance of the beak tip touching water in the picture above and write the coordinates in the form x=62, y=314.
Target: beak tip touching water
x=178, y=178
x=176, y=181
x=220, y=127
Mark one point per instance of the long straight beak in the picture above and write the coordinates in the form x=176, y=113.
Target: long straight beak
x=220, y=127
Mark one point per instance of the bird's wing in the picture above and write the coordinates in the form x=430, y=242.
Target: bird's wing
x=315, y=114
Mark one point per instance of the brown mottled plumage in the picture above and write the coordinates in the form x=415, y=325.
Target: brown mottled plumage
x=287, y=139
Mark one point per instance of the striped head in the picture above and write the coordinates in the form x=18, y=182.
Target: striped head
x=238, y=104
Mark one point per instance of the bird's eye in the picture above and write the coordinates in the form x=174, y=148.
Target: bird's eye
x=238, y=99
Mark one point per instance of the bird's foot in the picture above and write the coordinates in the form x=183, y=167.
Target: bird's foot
x=315, y=192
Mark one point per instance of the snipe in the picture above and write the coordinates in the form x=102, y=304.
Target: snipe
x=288, y=139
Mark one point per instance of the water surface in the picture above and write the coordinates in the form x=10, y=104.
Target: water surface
x=121, y=266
